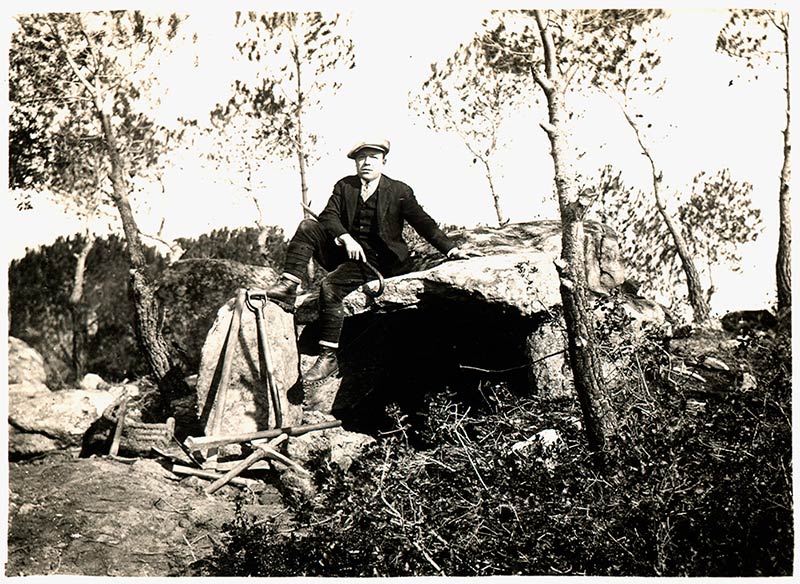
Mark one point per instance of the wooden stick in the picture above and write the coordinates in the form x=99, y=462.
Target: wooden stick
x=269, y=375
x=272, y=453
x=227, y=465
x=227, y=361
x=198, y=442
x=123, y=410
x=259, y=454
x=179, y=469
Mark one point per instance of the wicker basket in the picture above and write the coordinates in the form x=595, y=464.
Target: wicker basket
x=139, y=437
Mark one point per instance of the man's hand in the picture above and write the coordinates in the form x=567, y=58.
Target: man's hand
x=352, y=248
x=463, y=254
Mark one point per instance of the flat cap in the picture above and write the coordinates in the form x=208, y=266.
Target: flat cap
x=381, y=144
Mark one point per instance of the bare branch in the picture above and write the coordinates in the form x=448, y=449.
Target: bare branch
x=71, y=61
x=547, y=44
x=541, y=81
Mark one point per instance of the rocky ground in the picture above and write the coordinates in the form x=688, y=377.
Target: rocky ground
x=102, y=517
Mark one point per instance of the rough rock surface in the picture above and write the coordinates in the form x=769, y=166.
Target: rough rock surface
x=93, y=381
x=744, y=320
x=100, y=517
x=44, y=421
x=549, y=369
x=247, y=405
x=27, y=389
x=25, y=444
x=705, y=359
x=25, y=364
x=517, y=272
x=334, y=445
x=192, y=291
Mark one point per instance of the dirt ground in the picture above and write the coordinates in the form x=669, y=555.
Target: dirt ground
x=102, y=517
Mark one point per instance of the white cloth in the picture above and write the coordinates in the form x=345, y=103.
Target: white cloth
x=368, y=188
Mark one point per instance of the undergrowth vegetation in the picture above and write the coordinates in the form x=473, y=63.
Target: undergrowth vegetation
x=700, y=484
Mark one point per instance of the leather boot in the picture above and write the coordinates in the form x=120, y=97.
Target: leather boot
x=324, y=368
x=283, y=293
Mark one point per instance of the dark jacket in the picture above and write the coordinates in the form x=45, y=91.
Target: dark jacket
x=396, y=204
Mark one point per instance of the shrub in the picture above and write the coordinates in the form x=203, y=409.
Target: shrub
x=691, y=493
x=241, y=244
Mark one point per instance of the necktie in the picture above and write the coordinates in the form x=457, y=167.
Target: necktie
x=364, y=190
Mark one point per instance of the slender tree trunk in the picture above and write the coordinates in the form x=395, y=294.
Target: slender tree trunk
x=783, y=264
x=79, y=311
x=697, y=298
x=598, y=412
x=168, y=373
x=301, y=164
x=300, y=147
x=501, y=219
x=147, y=310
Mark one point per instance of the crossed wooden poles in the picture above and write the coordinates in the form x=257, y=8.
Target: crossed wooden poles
x=264, y=442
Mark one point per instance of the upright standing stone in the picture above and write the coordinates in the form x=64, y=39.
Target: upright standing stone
x=248, y=406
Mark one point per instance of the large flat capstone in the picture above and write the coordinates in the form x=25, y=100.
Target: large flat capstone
x=516, y=273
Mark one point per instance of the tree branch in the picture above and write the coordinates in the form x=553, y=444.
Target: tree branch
x=541, y=81
x=70, y=61
x=547, y=45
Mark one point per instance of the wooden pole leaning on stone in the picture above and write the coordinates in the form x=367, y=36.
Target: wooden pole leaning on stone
x=227, y=361
x=121, y=413
x=256, y=300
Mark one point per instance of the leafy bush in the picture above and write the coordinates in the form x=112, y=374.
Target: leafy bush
x=40, y=284
x=692, y=492
x=242, y=244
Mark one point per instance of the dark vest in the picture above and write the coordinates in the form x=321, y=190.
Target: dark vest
x=365, y=230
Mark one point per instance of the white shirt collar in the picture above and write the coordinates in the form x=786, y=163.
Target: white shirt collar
x=371, y=187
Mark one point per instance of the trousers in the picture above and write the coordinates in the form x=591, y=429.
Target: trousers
x=344, y=275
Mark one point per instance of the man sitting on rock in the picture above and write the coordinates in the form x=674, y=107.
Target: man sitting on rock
x=362, y=222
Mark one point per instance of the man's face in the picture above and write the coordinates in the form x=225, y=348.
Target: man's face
x=369, y=163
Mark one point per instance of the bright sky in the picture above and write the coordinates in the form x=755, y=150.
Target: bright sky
x=716, y=125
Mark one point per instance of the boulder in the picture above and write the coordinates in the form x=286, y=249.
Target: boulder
x=25, y=364
x=247, y=404
x=92, y=381
x=546, y=348
x=747, y=320
x=27, y=389
x=332, y=446
x=24, y=444
x=62, y=417
x=191, y=292
x=548, y=362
